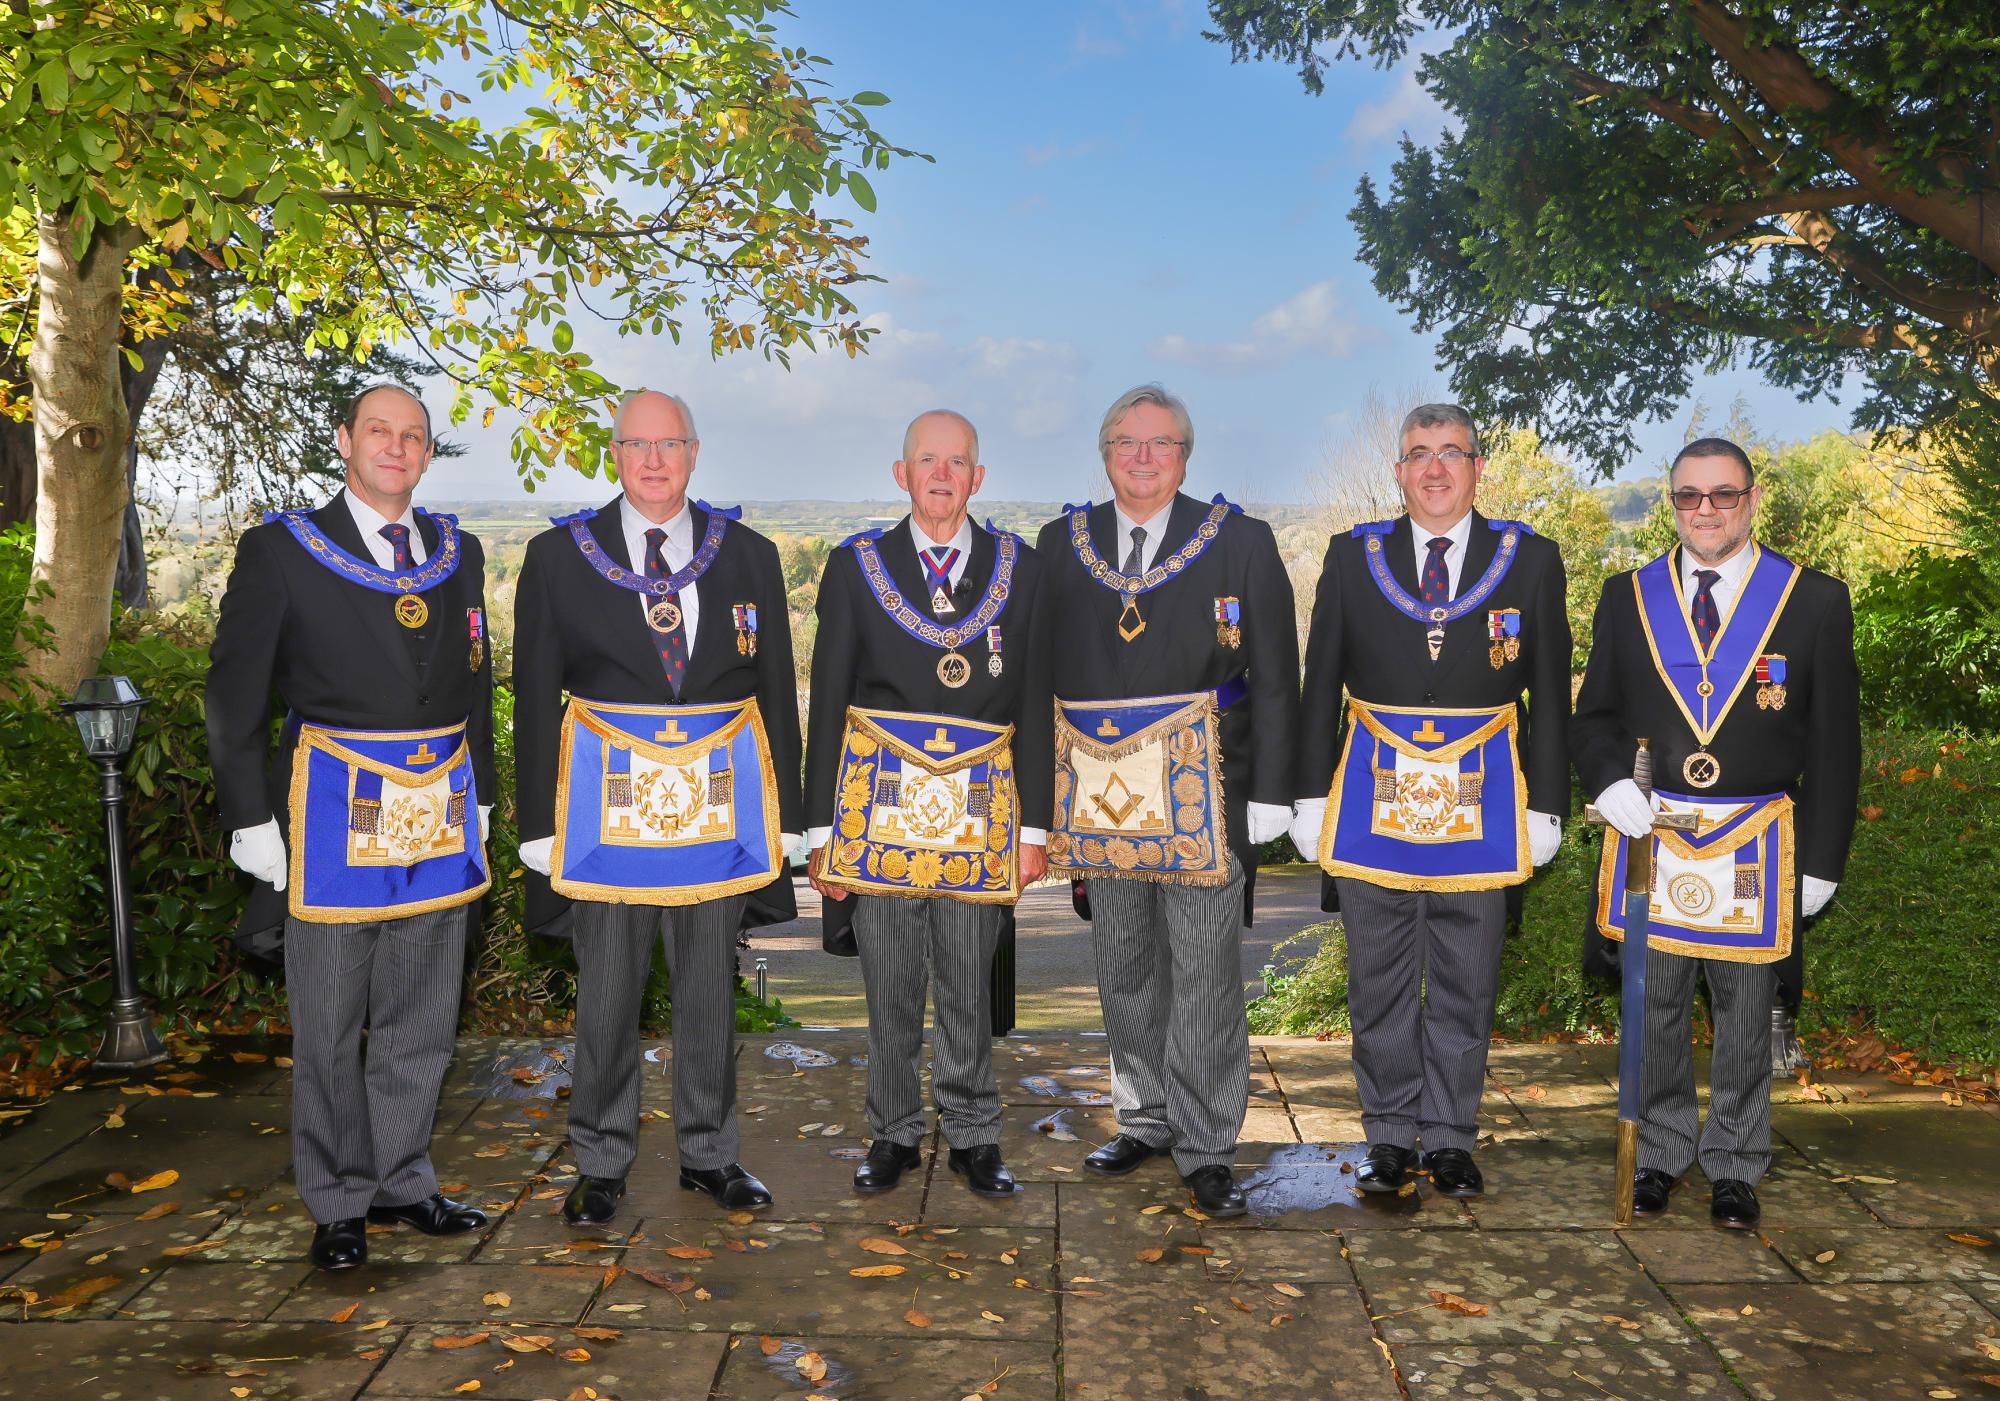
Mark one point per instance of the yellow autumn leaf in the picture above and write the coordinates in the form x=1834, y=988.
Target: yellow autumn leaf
x=158, y=1180
x=1290, y=1290
x=991, y=1317
x=526, y=1342
x=877, y=1245
x=875, y=1271
x=1823, y=1257
x=159, y=1209
x=461, y=1340
x=769, y=1345
x=344, y=1314
x=690, y=1252
x=472, y=1385
x=498, y=1299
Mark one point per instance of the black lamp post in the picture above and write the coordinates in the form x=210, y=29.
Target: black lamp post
x=106, y=711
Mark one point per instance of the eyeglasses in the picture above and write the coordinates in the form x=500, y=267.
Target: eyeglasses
x=1162, y=447
x=665, y=447
x=1422, y=457
x=1724, y=498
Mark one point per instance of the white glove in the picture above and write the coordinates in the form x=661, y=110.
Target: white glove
x=1268, y=822
x=260, y=851
x=485, y=819
x=535, y=855
x=1812, y=899
x=818, y=837
x=1545, y=834
x=1626, y=807
x=794, y=846
x=1308, y=817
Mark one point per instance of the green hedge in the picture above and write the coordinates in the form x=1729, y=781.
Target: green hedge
x=55, y=932
x=1909, y=944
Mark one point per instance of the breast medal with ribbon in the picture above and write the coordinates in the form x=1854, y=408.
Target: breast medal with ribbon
x=410, y=609
x=1724, y=890
x=1434, y=617
x=1139, y=788
x=926, y=809
x=383, y=824
x=1131, y=586
x=1705, y=684
x=662, y=614
x=1428, y=799
x=952, y=668
x=1503, y=633
x=664, y=804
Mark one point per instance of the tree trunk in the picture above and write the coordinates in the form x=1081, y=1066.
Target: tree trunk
x=17, y=471
x=81, y=433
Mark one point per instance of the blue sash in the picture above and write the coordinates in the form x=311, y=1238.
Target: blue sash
x=697, y=565
x=1724, y=892
x=384, y=824
x=1434, y=617
x=1706, y=685
x=926, y=809
x=1428, y=799
x=1139, y=788
x=664, y=804
x=991, y=605
x=440, y=566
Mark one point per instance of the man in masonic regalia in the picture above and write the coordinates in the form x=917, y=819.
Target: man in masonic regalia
x=367, y=834
x=1438, y=782
x=656, y=738
x=1738, y=666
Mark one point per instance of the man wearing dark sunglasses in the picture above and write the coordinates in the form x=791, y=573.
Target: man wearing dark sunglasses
x=1738, y=665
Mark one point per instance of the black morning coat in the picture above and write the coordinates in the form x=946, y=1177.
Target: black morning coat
x=1363, y=643
x=334, y=653
x=1180, y=651
x=577, y=632
x=862, y=656
x=1811, y=748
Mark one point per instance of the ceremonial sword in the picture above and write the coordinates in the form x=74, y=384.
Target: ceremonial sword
x=1632, y=973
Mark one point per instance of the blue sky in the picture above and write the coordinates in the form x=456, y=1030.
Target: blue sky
x=1112, y=201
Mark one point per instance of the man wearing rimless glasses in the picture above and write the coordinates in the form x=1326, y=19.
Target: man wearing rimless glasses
x=1738, y=665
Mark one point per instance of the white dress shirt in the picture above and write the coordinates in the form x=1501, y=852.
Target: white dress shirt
x=1460, y=536
x=962, y=542
x=1155, y=528
x=370, y=521
x=1733, y=572
x=677, y=550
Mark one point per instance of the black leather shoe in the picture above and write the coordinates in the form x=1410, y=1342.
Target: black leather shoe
x=982, y=1170
x=731, y=1186
x=435, y=1215
x=1650, y=1190
x=885, y=1165
x=593, y=1201
x=1733, y=1205
x=1120, y=1156
x=1386, y=1168
x=340, y=1245
x=1453, y=1173
x=1215, y=1191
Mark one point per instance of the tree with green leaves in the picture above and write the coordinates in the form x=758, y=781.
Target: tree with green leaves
x=642, y=162
x=1636, y=190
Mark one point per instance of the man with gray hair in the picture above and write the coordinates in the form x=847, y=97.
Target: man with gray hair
x=1177, y=706
x=1433, y=786
x=659, y=795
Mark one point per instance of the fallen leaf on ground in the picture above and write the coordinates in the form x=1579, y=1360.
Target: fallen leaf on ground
x=344, y=1314
x=81, y=1292
x=1858, y=1177
x=472, y=1385
x=1617, y=1320
x=1290, y=1290
x=769, y=1345
x=917, y=1318
x=155, y=1212
x=527, y=1342
x=740, y=1218
x=879, y=1245
x=498, y=1299
x=461, y=1340
x=1457, y=1303
x=1151, y=1254
x=574, y=1354
x=1967, y=1238
x=991, y=1317
x=166, y=1178
x=875, y=1271
x=1278, y=1320
x=191, y=1248
x=239, y=1391
x=1153, y=1210
x=1823, y=1257
x=690, y=1252
x=810, y=1365
x=596, y=1333
x=1241, y=1306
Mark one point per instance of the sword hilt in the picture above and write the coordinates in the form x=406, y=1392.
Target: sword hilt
x=1642, y=767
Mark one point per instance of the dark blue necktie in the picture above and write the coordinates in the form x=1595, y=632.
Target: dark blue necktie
x=1707, y=619
x=398, y=537
x=673, y=645
x=1435, y=586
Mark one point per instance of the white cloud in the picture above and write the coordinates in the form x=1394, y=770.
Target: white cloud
x=1310, y=322
x=1407, y=108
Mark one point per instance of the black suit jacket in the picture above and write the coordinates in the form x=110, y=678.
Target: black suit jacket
x=861, y=656
x=1810, y=749
x=1179, y=651
x=1362, y=644
x=576, y=632
x=334, y=653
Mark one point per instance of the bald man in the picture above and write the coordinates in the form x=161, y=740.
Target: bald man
x=659, y=795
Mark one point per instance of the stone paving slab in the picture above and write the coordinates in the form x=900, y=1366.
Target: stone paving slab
x=1872, y=1275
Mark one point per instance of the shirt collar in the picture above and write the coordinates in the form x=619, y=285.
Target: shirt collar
x=679, y=526
x=1731, y=571
x=962, y=542
x=1154, y=528
x=370, y=521
x=1460, y=534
